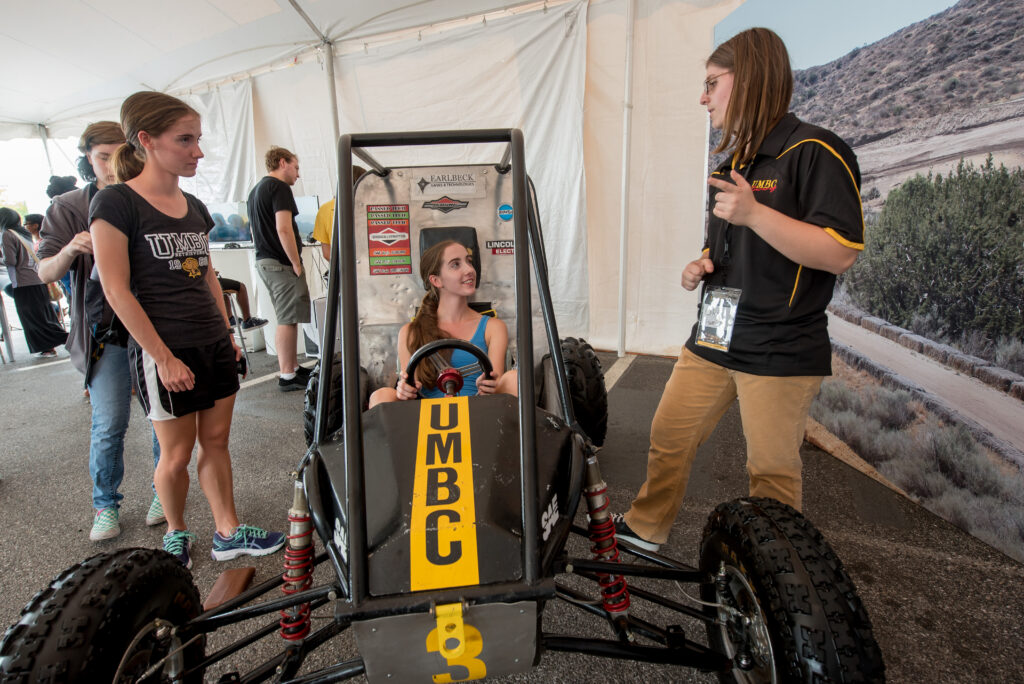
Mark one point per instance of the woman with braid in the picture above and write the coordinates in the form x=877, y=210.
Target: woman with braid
x=450, y=280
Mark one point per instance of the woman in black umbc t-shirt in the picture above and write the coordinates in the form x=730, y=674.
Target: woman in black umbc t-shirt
x=152, y=251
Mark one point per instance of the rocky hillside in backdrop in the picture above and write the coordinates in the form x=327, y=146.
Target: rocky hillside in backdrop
x=958, y=69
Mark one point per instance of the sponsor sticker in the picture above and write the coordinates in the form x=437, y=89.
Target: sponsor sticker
x=445, y=204
x=442, y=532
x=505, y=212
x=501, y=246
x=467, y=184
x=387, y=233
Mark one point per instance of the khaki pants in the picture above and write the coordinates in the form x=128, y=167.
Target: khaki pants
x=774, y=414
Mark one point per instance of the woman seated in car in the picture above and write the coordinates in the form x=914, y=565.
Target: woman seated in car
x=450, y=280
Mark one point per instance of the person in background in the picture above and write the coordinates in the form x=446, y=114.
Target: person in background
x=31, y=297
x=99, y=351
x=61, y=184
x=249, y=322
x=153, y=256
x=32, y=223
x=785, y=219
x=323, y=227
x=272, y=211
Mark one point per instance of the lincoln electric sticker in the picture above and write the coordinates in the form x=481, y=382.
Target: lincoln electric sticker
x=501, y=246
x=387, y=230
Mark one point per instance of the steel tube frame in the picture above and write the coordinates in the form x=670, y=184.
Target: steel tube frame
x=690, y=655
x=341, y=286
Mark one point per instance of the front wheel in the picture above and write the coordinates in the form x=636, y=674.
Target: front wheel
x=110, y=618
x=786, y=610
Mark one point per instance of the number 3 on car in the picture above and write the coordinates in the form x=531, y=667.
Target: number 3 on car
x=458, y=643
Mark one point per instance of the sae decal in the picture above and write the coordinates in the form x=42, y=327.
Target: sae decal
x=505, y=212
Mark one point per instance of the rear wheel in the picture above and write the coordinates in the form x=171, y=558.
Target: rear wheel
x=787, y=610
x=108, y=619
x=334, y=412
x=586, y=388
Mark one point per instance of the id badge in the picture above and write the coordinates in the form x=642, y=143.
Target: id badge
x=718, y=317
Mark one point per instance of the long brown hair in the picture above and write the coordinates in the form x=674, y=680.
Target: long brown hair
x=761, y=91
x=425, y=328
x=148, y=111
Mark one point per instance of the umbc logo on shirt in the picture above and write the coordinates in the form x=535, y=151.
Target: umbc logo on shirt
x=766, y=185
x=167, y=245
x=191, y=266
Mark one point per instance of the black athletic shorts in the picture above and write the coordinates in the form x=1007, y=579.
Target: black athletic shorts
x=213, y=365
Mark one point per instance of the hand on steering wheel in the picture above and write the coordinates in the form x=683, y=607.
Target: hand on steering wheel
x=439, y=345
x=406, y=390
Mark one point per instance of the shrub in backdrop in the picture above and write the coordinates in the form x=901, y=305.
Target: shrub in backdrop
x=948, y=251
x=939, y=464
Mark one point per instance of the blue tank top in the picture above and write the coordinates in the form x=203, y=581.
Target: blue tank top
x=462, y=358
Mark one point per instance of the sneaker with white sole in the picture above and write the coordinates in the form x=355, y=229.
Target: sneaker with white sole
x=253, y=323
x=105, y=524
x=178, y=543
x=155, y=515
x=246, y=540
x=624, y=533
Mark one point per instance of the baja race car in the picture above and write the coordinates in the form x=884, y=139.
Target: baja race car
x=444, y=522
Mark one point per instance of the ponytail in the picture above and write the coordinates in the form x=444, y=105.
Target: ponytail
x=127, y=163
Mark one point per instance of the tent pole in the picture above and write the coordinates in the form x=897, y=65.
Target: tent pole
x=627, y=125
x=328, y=47
x=332, y=91
x=46, y=145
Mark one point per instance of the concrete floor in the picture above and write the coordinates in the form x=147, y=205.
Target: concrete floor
x=946, y=608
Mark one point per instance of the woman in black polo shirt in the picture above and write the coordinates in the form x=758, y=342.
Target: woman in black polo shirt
x=151, y=246
x=785, y=219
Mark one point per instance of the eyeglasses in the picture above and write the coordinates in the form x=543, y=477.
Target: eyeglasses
x=712, y=81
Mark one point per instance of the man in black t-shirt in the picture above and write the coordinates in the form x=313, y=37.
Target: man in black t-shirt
x=272, y=213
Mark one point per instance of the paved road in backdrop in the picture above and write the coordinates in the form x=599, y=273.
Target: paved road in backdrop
x=993, y=409
x=946, y=608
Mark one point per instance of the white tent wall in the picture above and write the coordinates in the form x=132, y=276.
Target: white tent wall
x=667, y=167
x=290, y=110
x=228, y=170
x=523, y=71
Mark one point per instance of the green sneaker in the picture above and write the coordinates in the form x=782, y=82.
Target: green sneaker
x=155, y=516
x=178, y=543
x=105, y=525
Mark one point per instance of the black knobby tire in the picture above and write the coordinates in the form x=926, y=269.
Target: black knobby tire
x=803, y=600
x=335, y=412
x=80, y=627
x=586, y=388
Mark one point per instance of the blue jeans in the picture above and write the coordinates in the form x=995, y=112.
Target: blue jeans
x=110, y=392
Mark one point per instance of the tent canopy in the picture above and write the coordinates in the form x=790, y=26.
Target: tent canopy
x=65, y=58
x=622, y=202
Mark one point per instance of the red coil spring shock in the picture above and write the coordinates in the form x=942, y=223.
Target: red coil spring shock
x=298, y=566
x=614, y=591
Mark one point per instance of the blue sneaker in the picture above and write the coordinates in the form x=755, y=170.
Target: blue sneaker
x=246, y=540
x=177, y=543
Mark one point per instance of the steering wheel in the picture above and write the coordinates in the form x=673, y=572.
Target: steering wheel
x=439, y=345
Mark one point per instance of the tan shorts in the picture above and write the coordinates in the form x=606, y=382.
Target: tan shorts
x=288, y=292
